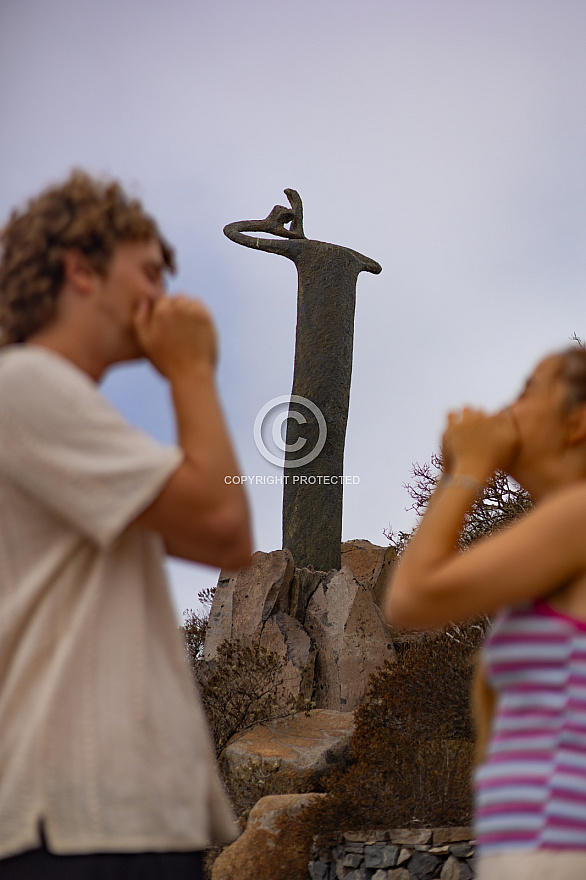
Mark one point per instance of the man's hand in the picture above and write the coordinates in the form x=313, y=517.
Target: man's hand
x=176, y=333
x=200, y=515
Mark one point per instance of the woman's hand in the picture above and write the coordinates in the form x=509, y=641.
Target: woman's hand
x=477, y=444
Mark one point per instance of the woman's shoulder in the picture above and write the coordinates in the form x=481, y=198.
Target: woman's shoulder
x=566, y=500
x=558, y=523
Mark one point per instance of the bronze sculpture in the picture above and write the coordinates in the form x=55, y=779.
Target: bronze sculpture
x=327, y=276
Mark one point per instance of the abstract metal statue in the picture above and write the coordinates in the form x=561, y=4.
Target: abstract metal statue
x=326, y=299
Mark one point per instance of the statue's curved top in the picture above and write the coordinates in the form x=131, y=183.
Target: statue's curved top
x=291, y=242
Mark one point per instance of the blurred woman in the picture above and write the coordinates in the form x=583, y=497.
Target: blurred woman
x=531, y=786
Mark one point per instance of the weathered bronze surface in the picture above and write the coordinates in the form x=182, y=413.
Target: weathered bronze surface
x=327, y=275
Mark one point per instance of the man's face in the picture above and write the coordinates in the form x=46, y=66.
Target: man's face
x=136, y=273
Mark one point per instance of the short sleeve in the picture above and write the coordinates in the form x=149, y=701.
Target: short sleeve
x=63, y=443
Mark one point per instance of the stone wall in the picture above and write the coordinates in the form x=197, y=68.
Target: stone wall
x=399, y=854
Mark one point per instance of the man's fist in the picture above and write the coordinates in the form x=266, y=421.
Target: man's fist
x=176, y=333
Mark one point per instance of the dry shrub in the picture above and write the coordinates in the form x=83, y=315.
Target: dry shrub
x=242, y=686
x=501, y=502
x=194, y=630
x=195, y=625
x=259, y=779
x=413, y=746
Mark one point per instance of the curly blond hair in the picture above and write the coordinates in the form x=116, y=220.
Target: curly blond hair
x=84, y=213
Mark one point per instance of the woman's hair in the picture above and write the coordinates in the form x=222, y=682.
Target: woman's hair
x=573, y=374
x=84, y=213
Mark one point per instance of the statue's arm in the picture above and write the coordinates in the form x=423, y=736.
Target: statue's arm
x=367, y=264
x=289, y=241
x=274, y=224
x=271, y=224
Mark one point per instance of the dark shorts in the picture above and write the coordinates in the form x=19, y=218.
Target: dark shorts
x=40, y=864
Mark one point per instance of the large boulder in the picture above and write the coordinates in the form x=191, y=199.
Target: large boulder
x=219, y=627
x=286, y=637
x=244, y=600
x=305, y=583
x=267, y=849
x=292, y=753
x=326, y=626
x=370, y=564
x=351, y=638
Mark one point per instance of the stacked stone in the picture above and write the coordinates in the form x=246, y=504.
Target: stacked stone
x=400, y=854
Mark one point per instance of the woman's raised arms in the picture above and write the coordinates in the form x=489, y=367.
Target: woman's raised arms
x=541, y=553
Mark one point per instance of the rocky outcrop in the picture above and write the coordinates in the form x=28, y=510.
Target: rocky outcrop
x=285, y=635
x=265, y=849
x=301, y=749
x=330, y=633
x=373, y=566
x=351, y=640
x=370, y=564
x=325, y=625
x=305, y=583
x=244, y=600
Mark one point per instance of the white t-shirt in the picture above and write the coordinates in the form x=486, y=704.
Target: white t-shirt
x=102, y=735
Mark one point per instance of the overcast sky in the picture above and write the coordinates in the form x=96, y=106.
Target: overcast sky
x=443, y=138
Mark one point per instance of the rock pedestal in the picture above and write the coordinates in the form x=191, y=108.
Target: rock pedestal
x=326, y=626
x=351, y=640
x=285, y=636
x=244, y=600
x=370, y=564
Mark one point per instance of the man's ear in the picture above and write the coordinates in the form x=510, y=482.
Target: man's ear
x=78, y=272
x=577, y=424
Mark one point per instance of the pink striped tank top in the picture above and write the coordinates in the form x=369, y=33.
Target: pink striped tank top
x=531, y=789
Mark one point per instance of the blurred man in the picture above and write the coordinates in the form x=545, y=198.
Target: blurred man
x=106, y=765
